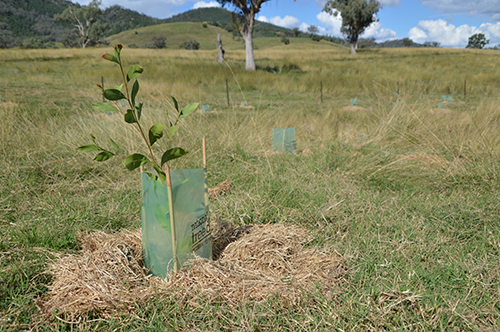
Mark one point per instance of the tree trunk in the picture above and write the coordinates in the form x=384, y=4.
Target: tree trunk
x=353, y=48
x=250, y=61
x=220, y=56
x=246, y=33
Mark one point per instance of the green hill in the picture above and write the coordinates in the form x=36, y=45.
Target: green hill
x=178, y=33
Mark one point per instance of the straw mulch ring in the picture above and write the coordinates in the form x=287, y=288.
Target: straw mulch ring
x=254, y=263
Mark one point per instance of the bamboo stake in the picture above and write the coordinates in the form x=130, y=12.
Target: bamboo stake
x=172, y=219
x=207, y=213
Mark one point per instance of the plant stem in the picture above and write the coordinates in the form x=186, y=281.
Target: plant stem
x=133, y=109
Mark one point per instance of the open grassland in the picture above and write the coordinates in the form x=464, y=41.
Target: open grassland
x=408, y=197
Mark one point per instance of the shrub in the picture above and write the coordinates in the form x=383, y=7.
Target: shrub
x=159, y=41
x=316, y=38
x=285, y=40
x=192, y=44
x=35, y=43
x=204, y=25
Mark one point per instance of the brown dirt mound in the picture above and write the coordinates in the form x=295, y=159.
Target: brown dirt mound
x=354, y=109
x=440, y=111
x=255, y=263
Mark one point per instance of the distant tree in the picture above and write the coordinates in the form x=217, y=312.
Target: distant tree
x=192, y=44
x=83, y=18
x=296, y=32
x=431, y=44
x=357, y=15
x=285, y=40
x=35, y=43
x=312, y=29
x=407, y=42
x=477, y=41
x=248, y=9
x=159, y=41
x=7, y=39
x=70, y=39
x=367, y=43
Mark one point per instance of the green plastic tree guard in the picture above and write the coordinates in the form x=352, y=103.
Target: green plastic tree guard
x=192, y=229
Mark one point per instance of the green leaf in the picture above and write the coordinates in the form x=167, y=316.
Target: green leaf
x=129, y=117
x=88, y=148
x=171, y=154
x=110, y=57
x=113, y=143
x=139, y=111
x=135, y=160
x=161, y=173
x=155, y=133
x=105, y=107
x=171, y=131
x=119, y=87
x=176, y=104
x=103, y=156
x=93, y=137
x=133, y=72
x=188, y=110
x=151, y=175
x=113, y=94
x=135, y=89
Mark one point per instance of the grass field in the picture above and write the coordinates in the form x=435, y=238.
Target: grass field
x=408, y=197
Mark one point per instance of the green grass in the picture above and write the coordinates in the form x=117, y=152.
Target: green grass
x=407, y=197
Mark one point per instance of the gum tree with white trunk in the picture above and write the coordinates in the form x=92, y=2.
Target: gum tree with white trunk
x=248, y=9
x=357, y=15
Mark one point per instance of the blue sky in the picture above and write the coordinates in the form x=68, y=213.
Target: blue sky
x=449, y=22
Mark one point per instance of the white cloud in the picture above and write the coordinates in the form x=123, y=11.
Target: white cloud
x=303, y=27
x=202, y=4
x=390, y=3
x=153, y=8
x=333, y=23
x=263, y=19
x=489, y=8
x=286, y=22
x=452, y=36
x=375, y=30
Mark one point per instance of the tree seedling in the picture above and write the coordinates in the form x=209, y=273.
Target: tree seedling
x=132, y=116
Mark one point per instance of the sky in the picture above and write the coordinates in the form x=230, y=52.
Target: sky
x=448, y=22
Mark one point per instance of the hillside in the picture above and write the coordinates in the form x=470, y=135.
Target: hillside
x=222, y=17
x=22, y=19
x=178, y=33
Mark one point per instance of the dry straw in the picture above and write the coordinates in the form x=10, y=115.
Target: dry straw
x=253, y=263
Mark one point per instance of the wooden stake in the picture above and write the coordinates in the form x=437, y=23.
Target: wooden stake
x=321, y=85
x=465, y=88
x=227, y=92
x=204, y=148
x=102, y=84
x=172, y=219
x=207, y=210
